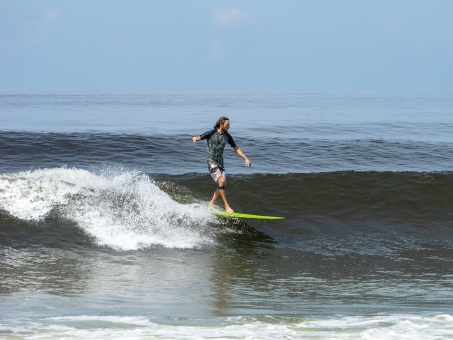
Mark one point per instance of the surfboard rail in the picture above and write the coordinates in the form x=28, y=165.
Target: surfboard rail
x=245, y=216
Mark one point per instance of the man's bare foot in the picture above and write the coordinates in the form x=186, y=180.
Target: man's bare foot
x=211, y=206
x=228, y=209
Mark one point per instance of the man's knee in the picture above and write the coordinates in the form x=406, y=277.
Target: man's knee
x=221, y=183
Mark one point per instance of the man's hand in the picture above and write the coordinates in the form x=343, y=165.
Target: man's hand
x=195, y=139
x=248, y=164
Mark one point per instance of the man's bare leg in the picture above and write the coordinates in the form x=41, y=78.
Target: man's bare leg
x=227, y=207
x=214, y=198
x=221, y=193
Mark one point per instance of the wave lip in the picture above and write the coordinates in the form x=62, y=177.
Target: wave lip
x=119, y=209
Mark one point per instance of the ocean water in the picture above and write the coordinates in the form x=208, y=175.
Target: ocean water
x=105, y=231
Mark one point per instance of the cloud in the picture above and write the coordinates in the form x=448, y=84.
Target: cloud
x=231, y=17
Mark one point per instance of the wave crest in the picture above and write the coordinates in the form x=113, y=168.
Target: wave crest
x=120, y=209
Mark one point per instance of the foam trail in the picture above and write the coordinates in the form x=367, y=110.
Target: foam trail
x=124, y=210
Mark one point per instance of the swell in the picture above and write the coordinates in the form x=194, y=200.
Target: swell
x=176, y=154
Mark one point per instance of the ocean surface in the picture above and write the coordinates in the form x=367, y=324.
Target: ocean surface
x=105, y=230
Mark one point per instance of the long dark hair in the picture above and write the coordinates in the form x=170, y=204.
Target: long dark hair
x=220, y=121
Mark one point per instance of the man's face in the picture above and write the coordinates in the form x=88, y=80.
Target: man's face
x=226, y=125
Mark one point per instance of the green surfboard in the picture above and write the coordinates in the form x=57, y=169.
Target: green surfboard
x=246, y=216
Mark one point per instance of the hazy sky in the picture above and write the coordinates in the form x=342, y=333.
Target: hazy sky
x=215, y=45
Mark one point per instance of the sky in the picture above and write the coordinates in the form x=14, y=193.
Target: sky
x=219, y=45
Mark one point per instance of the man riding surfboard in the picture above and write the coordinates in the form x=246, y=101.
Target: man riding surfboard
x=217, y=139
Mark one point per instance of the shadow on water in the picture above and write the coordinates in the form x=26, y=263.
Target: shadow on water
x=244, y=238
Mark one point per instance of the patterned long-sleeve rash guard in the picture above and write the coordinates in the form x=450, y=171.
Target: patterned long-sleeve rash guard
x=216, y=145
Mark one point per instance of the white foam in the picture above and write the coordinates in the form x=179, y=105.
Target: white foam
x=119, y=209
x=412, y=327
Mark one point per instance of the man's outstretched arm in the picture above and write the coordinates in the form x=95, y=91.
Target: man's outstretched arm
x=243, y=156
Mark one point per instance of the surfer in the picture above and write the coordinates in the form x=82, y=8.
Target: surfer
x=217, y=139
